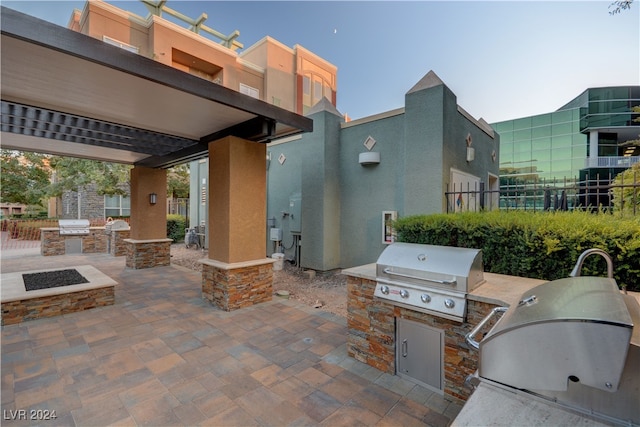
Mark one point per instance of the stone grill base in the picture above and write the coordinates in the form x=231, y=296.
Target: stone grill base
x=372, y=328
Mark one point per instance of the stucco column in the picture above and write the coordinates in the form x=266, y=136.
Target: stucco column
x=148, y=245
x=237, y=273
x=238, y=200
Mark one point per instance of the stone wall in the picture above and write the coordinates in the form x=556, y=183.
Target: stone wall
x=55, y=305
x=148, y=253
x=118, y=244
x=91, y=203
x=52, y=243
x=231, y=289
x=372, y=329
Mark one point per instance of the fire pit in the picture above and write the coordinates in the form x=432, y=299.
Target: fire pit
x=52, y=279
x=20, y=305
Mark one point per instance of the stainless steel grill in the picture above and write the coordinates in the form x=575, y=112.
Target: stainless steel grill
x=73, y=227
x=430, y=279
x=570, y=341
x=117, y=225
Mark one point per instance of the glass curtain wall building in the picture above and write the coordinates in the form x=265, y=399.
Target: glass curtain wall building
x=560, y=159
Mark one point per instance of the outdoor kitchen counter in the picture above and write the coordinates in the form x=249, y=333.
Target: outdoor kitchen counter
x=490, y=405
x=498, y=289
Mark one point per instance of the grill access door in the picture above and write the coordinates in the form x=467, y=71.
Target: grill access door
x=419, y=353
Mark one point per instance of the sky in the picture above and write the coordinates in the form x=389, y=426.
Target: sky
x=502, y=59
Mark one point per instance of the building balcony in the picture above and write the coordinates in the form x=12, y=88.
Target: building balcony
x=611, y=162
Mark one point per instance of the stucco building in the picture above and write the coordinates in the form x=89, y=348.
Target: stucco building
x=331, y=191
x=292, y=78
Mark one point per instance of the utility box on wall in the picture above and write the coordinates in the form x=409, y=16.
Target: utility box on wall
x=295, y=213
x=275, y=234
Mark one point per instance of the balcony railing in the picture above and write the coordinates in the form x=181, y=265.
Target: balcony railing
x=611, y=162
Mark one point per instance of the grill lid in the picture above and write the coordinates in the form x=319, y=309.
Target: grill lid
x=448, y=267
x=117, y=225
x=573, y=329
x=73, y=226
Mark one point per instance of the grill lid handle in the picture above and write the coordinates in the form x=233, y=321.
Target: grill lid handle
x=409, y=276
x=469, y=337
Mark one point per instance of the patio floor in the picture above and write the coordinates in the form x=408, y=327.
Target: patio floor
x=163, y=356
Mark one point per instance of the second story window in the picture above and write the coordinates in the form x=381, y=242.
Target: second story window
x=248, y=90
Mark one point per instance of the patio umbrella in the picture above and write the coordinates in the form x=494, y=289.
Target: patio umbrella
x=563, y=201
x=547, y=199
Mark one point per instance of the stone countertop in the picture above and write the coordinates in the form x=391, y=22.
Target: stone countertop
x=498, y=289
x=490, y=405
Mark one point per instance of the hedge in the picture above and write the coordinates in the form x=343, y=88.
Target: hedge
x=541, y=245
x=176, y=224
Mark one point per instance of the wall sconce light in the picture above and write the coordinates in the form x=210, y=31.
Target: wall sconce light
x=153, y=198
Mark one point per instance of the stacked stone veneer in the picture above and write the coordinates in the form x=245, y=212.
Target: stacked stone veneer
x=372, y=329
x=118, y=246
x=232, y=288
x=55, y=305
x=148, y=253
x=52, y=243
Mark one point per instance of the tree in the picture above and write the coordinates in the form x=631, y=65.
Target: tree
x=73, y=174
x=625, y=191
x=619, y=6
x=178, y=181
x=24, y=177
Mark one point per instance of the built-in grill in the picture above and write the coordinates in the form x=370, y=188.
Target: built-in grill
x=116, y=225
x=73, y=227
x=571, y=342
x=429, y=279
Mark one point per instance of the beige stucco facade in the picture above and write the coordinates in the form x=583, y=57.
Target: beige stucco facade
x=292, y=78
x=238, y=182
x=148, y=221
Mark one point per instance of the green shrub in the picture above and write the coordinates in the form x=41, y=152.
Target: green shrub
x=542, y=245
x=626, y=197
x=176, y=225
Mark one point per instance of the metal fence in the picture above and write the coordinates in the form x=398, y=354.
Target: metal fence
x=599, y=193
x=178, y=206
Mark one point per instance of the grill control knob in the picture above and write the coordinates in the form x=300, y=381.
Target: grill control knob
x=449, y=303
x=384, y=289
x=426, y=298
x=404, y=293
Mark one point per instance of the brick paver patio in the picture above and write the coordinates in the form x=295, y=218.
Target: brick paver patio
x=163, y=356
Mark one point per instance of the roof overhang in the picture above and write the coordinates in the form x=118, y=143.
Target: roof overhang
x=68, y=94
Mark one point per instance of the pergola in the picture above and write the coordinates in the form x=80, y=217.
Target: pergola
x=68, y=94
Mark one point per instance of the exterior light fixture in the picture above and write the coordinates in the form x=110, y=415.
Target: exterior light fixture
x=153, y=198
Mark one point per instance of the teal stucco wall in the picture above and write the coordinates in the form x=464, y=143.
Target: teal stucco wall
x=421, y=147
